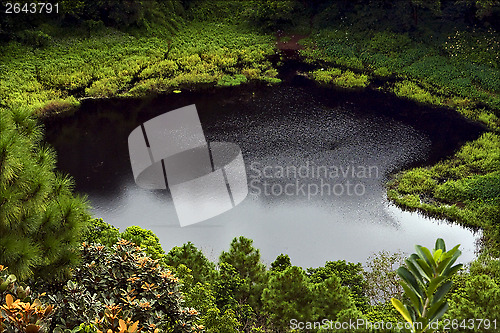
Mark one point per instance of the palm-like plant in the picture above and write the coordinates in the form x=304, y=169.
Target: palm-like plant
x=426, y=279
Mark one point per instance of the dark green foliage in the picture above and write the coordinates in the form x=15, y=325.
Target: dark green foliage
x=246, y=261
x=281, y=263
x=290, y=295
x=40, y=219
x=383, y=312
x=273, y=15
x=227, y=285
x=201, y=268
x=100, y=232
x=146, y=240
x=129, y=284
x=287, y=296
x=205, y=298
x=350, y=275
x=479, y=293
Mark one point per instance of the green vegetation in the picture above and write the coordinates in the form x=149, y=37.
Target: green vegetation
x=345, y=79
x=440, y=53
x=40, y=218
x=118, y=289
x=426, y=280
x=463, y=188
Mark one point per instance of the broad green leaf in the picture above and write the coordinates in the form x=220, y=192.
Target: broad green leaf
x=451, y=252
x=413, y=258
x=437, y=256
x=440, y=244
x=401, y=309
x=452, y=270
x=434, y=284
x=441, y=291
x=427, y=255
x=413, y=296
x=437, y=310
x=425, y=267
x=409, y=278
x=416, y=273
x=443, y=264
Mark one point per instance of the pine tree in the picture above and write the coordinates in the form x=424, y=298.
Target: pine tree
x=246, y=260
x=40, y=218
x=202, y=269
x=288, y=296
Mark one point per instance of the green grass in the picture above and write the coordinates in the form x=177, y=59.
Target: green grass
x=464, y=188
x=468, y=81
x=52, y=79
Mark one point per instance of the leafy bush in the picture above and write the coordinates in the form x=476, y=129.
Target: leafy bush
x=18, y=312
x=418, y=180
x=123, y=284
x=245, y=259
x=100, y=232
x=325, y=76
x=188, y=255
x=485, y=187
x=474, y=46
x=289, y=295
x=34, y=38
x=382, y=72
x=335, y=76
x=350, y=275
x=349, y=79
x=146, y=240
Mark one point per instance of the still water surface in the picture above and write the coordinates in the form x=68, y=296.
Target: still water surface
x=300, y=136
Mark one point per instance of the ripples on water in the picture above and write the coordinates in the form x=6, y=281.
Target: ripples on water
x=277, y=127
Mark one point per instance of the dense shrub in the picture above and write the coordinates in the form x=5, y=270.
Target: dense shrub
x=289, y=295
x=122, y=283
x=19, y=312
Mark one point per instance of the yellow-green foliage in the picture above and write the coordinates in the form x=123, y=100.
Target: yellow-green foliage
x=418, y=180
x=349, y=79
x=335, y=76
x=325, y=76
x=113, y=63
x=412, y=91
x=382, y=72
x=465, y=187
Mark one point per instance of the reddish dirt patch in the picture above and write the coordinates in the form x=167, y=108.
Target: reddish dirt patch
x=291, y=42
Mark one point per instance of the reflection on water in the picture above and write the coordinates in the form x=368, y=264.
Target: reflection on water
x=316, y=166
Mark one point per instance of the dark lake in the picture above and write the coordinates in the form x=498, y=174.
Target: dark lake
x=280, y=128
